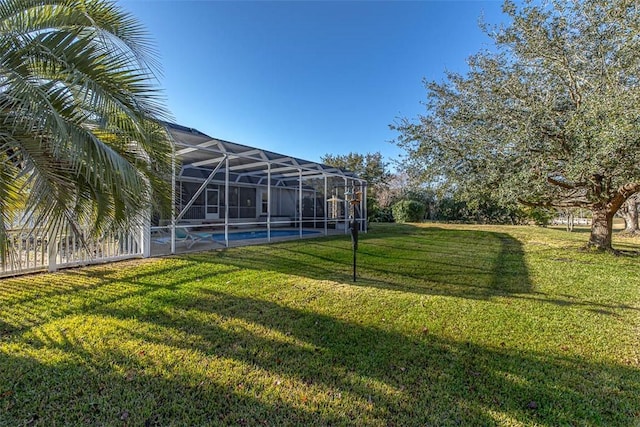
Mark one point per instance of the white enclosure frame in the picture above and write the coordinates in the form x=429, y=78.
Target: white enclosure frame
x=201, y=159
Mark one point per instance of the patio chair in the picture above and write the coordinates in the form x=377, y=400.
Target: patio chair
x=182, y=236
x=190, y=238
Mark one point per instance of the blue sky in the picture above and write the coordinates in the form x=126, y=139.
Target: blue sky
x=308, y=78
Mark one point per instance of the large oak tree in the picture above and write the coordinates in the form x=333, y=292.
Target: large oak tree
x=550, y=117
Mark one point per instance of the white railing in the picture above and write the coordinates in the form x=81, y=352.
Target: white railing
x=33, y=250
x=576, y=221
x=27, y=252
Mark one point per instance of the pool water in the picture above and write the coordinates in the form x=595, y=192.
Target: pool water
x=261, y=234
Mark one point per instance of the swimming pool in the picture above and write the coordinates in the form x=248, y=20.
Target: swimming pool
x=261, y=234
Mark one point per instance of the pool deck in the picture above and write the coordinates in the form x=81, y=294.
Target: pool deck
x=204, y=240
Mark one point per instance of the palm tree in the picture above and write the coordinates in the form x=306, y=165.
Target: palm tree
x=80, y=141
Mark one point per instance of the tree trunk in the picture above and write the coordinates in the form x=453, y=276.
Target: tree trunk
x=629, y=212
x=602, y=221
x=569, y=221
x=601, y=229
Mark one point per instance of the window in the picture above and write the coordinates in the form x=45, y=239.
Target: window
x=264, y=210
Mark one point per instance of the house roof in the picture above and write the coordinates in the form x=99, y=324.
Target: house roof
x=201, y=155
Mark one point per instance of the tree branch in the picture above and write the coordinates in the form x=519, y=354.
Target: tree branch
x=623, y=194
x=564, y=184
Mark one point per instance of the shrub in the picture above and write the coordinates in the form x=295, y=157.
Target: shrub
x=408, y=211
x=377, y=213
x=479, y=211
x=540, y=216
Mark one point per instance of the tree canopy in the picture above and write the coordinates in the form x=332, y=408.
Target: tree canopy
x=369, y=166
x=550, y=117
x=80, y=141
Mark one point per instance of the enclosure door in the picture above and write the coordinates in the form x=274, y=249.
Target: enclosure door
x=213, y=203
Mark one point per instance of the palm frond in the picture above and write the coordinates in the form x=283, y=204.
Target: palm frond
x=79, y=105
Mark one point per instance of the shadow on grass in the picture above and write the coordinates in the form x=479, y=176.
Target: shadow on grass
x=423, y=260
x=195, y=364
x=174, y=347
x=76, y=292
x=470, y=264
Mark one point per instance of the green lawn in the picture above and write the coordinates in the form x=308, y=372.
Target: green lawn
x=447, y=325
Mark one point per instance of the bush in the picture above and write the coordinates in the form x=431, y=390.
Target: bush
x=408, y=211
x=479, y=211
x=540, y=216
x=376, y=213
x=382, y=215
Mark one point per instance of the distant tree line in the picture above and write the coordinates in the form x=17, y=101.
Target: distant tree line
x=401, y=197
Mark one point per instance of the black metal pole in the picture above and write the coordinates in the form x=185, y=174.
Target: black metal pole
x=354, y=243
x=353, y=225
x=354, y=263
